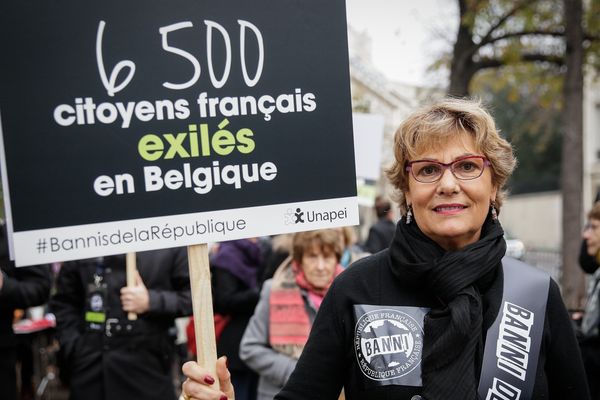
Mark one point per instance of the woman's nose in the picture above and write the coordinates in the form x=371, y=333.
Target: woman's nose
x=321, y=262
x=448, y=182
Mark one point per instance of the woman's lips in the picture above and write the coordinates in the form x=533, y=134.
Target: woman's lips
x=449, y=209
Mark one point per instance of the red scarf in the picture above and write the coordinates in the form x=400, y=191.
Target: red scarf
x=289, y=324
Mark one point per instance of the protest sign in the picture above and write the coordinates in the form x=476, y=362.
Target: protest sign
x=138, y=125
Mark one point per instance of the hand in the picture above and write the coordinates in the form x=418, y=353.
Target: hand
x=197, y=384
x=136, y=298
x=1, y=279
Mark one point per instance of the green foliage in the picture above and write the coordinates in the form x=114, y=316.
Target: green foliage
x=499, y=33
x=531, y=120
x=592, y=41
x=508, y=29
x=542, y=82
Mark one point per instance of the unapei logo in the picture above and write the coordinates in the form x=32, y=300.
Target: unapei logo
x=388, y=344
x=292, y=216
x=299, y=216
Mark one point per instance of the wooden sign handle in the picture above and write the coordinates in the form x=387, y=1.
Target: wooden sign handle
x=131, y=268
x=203, y=309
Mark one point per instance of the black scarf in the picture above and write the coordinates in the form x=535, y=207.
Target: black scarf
x=453, y=331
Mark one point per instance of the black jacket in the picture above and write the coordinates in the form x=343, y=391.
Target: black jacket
x=380, y=235
x=329, y=360
x=22, y=288
x=121, y=359
x=233, y=298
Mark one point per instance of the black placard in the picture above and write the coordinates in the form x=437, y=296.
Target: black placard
x=253, y=94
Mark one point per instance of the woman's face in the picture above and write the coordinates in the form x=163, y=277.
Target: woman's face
x=451, y=211
x=591, y=235
x=319, y=265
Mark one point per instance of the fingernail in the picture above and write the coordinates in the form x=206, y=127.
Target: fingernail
x=209, y=380
x=223, y=397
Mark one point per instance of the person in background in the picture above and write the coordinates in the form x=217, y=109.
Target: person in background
x=236, y=292
x=590, y=325
x=381, y=233
x=412, y=322
x=103, y=354
x=351, y=251
x=279, y=328
x=20, y=288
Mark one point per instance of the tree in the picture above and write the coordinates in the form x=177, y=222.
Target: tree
x=496, y=33
x=572, y=157
x=538, y=36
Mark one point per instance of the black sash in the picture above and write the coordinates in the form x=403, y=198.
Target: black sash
x=513, y=342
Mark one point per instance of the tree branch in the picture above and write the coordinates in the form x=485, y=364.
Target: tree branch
x=502, y=20
x=521, y=33
x=553, y=59
x=462, y=6
x=591, y=37
x=532, y=57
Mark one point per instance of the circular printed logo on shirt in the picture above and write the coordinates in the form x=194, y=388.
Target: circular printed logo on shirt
x=388, y=344
x=96, y=302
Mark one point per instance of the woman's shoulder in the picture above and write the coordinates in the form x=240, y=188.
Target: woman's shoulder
x=266, y=288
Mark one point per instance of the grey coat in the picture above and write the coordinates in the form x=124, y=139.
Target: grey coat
x=273, y=367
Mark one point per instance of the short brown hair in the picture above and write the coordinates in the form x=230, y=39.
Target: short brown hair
x=324, y=239
x=595, y=212
x=434, y=125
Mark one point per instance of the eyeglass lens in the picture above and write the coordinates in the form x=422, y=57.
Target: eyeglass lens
x=431, y=171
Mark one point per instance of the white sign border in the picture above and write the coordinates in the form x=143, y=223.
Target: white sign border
x=93, y=240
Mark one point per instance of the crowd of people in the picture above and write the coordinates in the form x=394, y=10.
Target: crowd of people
x=426, y=307
x=104, y=353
